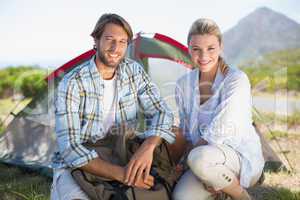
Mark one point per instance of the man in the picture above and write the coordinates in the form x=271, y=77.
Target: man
x=106, y=91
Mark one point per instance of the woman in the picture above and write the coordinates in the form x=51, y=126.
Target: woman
x=214, y=104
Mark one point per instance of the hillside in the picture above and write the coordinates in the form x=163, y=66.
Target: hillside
x=260, y=32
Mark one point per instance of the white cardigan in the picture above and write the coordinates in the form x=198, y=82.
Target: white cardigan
x=225, y=118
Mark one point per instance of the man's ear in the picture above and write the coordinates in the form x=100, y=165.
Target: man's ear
x=95, y=42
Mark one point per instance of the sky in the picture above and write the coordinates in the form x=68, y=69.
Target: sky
x=49, y=33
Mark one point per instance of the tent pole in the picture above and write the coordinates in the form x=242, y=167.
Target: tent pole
x=3, y=122
x=276, y=141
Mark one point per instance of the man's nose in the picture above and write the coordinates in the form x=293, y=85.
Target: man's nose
x=113, y=46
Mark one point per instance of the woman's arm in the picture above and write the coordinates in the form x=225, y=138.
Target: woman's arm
x=178, y=148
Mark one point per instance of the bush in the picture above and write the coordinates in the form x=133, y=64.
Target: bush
x=275, y=71
x=26, y=80
x=33, y=84
x=293, y=78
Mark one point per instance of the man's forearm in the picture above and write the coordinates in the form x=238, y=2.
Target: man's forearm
x=153, y=141
x=105, y=169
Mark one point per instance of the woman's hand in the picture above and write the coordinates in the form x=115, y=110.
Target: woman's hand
x=201, y=142
x=211, y=190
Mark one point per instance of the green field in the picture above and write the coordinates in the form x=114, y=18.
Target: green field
x=275, y=71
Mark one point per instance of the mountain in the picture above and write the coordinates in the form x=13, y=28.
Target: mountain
x=260, y=32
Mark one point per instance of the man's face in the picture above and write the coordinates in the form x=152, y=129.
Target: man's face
x=112, y=45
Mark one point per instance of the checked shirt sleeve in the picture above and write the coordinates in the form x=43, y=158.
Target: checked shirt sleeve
x=159, y=117
x=67, y=125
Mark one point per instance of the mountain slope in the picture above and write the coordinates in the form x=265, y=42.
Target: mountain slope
x=260, y=32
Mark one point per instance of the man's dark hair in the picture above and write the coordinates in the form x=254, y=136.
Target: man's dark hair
x=111, y=18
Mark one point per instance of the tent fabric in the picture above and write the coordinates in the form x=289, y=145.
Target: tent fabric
x=72, y=63
x=29, y=140
x=157, y=46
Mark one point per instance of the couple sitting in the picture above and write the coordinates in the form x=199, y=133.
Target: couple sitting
x=107, y=92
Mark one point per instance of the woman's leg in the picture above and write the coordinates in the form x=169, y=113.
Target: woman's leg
x=190, y=187
x=218, y=167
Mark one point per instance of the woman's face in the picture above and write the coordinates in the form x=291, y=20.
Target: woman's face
x=205, y=51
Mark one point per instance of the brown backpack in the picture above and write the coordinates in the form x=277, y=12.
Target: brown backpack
x=118, y=150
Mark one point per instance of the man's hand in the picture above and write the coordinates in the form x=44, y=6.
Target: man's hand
x=140, y=163
x=144, y=184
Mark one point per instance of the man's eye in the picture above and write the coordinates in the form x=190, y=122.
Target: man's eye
x=108, y=39
x=211, y=49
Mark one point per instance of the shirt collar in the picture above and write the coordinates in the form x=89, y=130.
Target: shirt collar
x=218, y=79
x=216, y=84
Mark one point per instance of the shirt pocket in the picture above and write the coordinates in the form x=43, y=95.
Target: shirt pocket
x=128, y=107
x=90, y=117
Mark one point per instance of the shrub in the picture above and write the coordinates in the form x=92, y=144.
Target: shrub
x=26, y=80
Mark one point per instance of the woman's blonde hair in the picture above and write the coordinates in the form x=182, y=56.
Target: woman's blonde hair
x=204, y=26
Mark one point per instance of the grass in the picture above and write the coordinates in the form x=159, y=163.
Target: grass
x=273, y=193
x=276, y=134
x=271, y=118
x=16, y=184
x=294, y=119
x=277, y=186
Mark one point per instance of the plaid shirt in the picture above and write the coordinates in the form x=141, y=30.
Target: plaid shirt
x=79, y=110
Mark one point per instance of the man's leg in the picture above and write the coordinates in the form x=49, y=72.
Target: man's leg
x=64, y=187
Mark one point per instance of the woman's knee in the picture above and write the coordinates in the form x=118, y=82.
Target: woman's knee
x=201, y=158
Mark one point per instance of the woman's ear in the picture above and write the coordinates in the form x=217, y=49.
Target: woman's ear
x=189, y=50
x=222, y=46
x=222, y=50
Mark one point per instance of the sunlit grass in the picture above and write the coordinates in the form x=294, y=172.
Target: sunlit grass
x=272, y=118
